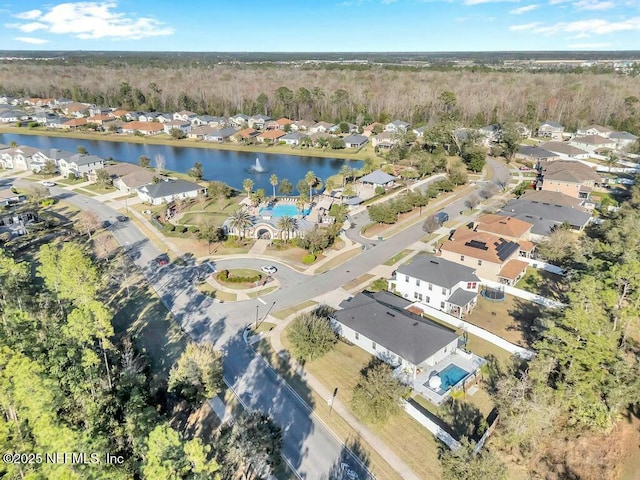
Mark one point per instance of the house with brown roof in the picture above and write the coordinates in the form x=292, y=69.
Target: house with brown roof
x=505, y=227
x=100, y=120
x=74, y=123
x=368, y=130
x=270, y=136
x=302, y=125
x=129, y=177
x=146, y=128
x=75, y=109
x=119, y=113
x=200, y=132
x=571, y=178
x=244, y=134
x=385, y=140
x=493, y=257
x=279, y=124
x=320, y=127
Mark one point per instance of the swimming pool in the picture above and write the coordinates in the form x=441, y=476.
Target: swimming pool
x=284, y=210
x=451, y=375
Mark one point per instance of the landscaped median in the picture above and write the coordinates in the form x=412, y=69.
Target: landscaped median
x=238, y=284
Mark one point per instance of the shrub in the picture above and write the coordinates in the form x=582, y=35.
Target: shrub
x=309, y=258
x=72, y=176
x=47, y=203
x=224, y=277
x=182, y=229
x=169, y=227
x=193, y=229
x=379, y=190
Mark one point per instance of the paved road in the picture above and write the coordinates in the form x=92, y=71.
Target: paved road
x=309, y=446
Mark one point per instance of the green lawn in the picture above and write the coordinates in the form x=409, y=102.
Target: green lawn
x=68, y=182
x=397, y=257
x=413, y=443
x=201, y=218
x=217, y=294
x=99, y=189
x=85, y=192
x=357, y=281
x=282, y=314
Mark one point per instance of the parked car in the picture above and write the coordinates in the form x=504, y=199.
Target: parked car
x=269, y=269
x=47, y=183
x=122, y=218
x=162, y=260
x=106, y=224
x=441, y=217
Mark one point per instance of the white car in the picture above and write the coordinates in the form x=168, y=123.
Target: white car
x=47, y=183
x=269, y=269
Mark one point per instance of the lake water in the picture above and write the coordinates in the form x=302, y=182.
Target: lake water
x=223, y=165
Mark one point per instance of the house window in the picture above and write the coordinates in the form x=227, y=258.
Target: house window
x=373, y=345
x=444, y=291
x=462, y=258
x=417, y=282
x=357, y=336
x=406, y=278
x=428, y=299
x=479, y=262
x=415, y=295
x=420, y=296
x=442, y=305
x=430, y=287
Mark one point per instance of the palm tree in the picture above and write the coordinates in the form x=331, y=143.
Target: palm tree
x=611, y=160
x=330, y=184
x=346, y=171
x=247, y=186
x=13, y=144
x=274, y=182
x=311, y=180
x=287, y=224
x=241, y=219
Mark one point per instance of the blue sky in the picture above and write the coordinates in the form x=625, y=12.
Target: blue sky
x=322, y=25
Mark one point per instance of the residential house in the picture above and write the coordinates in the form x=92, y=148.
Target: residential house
x=79, y=164
x=62, y=101
x=565, y=150
x=555, y=198
x=76, y=109
x=385, y=140
x=75, y=123
x=279, y=124
x=355, y=141
x=523, y=130
x=94, y=110
x=185, y=116
x=535, y=155
x=552, y=130
x=490, y=134
x=546, y=216
x=12, y=116
x=397, y=126
x=368, y=131
x=134, y=116
x=438, y=283
x=494, y=258
x=270, y=136
x=220, y=135
x=127, y=177
x=569, y=177
x=169, y=190
x=320, y=127
x=302, y=125
x=291, y=138
x=101, y=120
x=181, y=125
x=7, y=100
x=594, y=130
x=150, y=117
x=419, y=132
x=200, y=132
x=239, y=120
x=23, y=158
x=384, y=325
x=244, y=134
x=508, y=228
x=378, y=178
x=337, y=129
x=8, y=197
x=210, y=120
x=120, y=114
x=258, y=121
x=623, y=139
x=145, y=128
x=317, y=138
x=591, y=143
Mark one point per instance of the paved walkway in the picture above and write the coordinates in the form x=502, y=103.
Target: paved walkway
x=260, y=247
x=364, y=432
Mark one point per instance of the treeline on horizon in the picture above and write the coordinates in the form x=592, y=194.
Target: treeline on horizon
x=332, y=93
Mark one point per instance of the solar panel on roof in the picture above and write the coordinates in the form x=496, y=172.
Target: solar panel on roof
x=477, y=244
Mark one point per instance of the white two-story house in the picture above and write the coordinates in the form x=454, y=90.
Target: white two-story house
x=437, y=283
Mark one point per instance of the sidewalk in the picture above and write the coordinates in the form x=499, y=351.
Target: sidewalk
x=371, y=438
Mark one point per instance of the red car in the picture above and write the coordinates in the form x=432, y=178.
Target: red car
x=162, y=260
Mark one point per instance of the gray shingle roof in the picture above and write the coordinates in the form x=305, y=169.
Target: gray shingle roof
x=462, y=297
x=544, y=216
x=622, y=136
x=222, y=132
x=171, y=187
x=380, y=318
x=535, y=152
x=552, y=124
x=80, y=159
x=378, y=177
x=291, y=136
x=357, y=139
x=438, y=271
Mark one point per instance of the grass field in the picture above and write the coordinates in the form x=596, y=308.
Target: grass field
x=397, y=257
x=200, y=218
x=357, y=281
x=282, y=314
x=544, y=283
x=413, y=443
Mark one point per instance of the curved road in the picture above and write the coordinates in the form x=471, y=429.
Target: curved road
x=309, y=447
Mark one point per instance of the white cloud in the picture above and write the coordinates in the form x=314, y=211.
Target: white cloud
x=92, y=20
x=30, y=15
x=589, y=46
x=31, y=40
x=521, y=10
x=593, y=5
x=524, y=26
x=581, y=28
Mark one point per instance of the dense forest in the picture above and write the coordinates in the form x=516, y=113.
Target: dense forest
x=468, y=96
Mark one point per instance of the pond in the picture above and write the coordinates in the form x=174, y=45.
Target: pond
x=227, y=166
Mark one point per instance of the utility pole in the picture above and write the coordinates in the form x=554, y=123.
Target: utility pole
x=332, y=399
x=257, y=308
x=265, y=315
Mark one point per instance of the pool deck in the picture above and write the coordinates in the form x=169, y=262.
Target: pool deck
x=466, y=361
